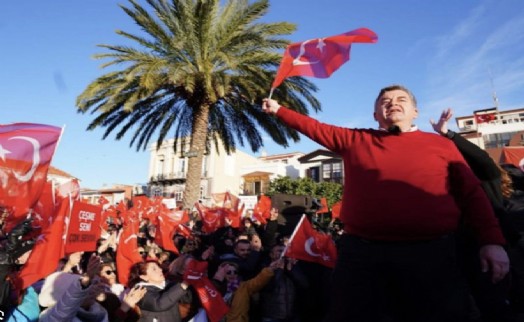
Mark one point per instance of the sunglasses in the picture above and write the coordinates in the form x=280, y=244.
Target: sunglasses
x=109, y=272
x=231, y=272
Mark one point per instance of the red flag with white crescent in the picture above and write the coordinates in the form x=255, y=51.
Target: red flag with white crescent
x=310, y=245
x=212, y=218
x=320, y=57
x=26, y=150
x=212, y=301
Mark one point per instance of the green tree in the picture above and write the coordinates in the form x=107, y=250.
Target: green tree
x=200, y=70
x=306, y=186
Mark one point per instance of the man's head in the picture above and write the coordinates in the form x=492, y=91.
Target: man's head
x=242, y=248
x=276, y=251
x=395, y=105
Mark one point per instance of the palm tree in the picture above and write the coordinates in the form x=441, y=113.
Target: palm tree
x=200, y=71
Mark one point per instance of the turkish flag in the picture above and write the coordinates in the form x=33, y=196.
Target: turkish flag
x=84, y=228
x=485, y=118
x=212, y=301
x=262, y=209
x=324, y=209
x=109, y=215
x=102, y=201
x=320, y=57
x=177, y=216
x=48, y=249
x=212, y=218
x=513, y=155
x=127, y=250
x=310, y=245
x=335, y=209
x=165, y=230
x=26, y=151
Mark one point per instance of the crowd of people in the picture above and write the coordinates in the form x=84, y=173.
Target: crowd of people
x=431, y=229
x=244, y=264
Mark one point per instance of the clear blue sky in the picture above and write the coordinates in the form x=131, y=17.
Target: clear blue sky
x=445, y=51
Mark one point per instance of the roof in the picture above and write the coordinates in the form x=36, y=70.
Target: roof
x=319, y=152
x=60, y=173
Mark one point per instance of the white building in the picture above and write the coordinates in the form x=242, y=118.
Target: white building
x=491, y=128
x=256, y=176
x=220, y=171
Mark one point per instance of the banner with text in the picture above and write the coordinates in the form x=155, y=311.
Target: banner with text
x=84, y=227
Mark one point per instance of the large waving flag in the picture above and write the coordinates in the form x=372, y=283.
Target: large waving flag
x=310, y=245
x=26, y=150
x=320, y=57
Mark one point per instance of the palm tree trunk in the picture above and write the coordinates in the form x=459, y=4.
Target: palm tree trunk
x=198, y=146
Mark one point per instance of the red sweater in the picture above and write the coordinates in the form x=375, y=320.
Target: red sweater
x=410, y=186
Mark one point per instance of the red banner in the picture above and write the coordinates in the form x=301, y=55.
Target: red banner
x=84, y=227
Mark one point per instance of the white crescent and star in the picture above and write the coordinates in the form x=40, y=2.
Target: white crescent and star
x=320, y=46
x=36, y=157
x=307, y=247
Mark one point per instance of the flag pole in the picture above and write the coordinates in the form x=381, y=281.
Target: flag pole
x=271, y=92
x=293, y=235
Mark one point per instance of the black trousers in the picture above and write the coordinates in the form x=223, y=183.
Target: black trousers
x=397, y=281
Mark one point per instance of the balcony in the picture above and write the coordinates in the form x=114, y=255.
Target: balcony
x=172, y=177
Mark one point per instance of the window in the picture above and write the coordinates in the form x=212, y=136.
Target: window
x=326, y=171
x=337, y=170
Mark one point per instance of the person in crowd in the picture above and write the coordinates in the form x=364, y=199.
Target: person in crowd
x=492, y=299
x=408, y=191
x=236, y=293
x=161, y=302
x=246, y=259
x=122, y=310
x=71, y=297
x=278, y=299
x=109, y=277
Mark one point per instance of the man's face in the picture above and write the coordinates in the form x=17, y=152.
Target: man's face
x=242, y=250
x=276, y=252
x=395, y=108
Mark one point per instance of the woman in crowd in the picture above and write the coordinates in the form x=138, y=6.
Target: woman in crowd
x=160, y=303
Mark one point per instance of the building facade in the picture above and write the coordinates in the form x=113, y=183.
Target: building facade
x=220, y=171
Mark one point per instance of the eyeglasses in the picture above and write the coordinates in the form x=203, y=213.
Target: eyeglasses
x=231, y=272
x=109, y=272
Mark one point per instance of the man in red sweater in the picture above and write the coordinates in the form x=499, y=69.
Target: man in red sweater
x=405, y=192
